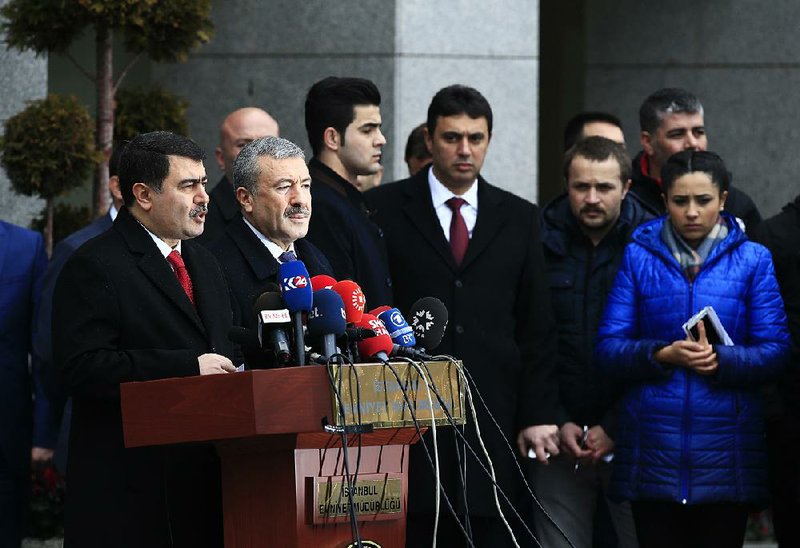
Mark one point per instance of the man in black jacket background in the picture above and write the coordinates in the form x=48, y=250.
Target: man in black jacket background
x=343, y=121
x=781, y=235
x=672, y=120
x=584, y=233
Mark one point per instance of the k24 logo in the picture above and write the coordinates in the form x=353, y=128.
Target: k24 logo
x=295, y=282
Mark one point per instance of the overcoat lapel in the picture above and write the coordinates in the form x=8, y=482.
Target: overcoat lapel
x=155, y=266
x=490, y=221
x=260, y=260
x=419, y=209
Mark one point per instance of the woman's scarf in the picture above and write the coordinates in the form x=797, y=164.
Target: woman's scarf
x=692, y=259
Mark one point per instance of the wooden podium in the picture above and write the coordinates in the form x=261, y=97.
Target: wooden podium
x=282, y=473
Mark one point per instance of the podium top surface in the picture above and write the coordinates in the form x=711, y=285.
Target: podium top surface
x=271, y=402
x=218, y=407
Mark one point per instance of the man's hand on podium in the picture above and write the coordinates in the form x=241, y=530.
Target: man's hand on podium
x=213, y=364
x=542, y=439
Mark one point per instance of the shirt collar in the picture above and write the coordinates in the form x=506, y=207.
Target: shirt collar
x=440, y=193
x=161, y=244
x=274, y=249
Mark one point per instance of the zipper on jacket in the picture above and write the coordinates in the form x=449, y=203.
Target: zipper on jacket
x=684, y=464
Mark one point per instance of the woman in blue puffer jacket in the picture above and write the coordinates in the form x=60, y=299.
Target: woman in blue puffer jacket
x=690, y=451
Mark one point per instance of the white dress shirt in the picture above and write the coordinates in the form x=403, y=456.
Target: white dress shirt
x=440, y=194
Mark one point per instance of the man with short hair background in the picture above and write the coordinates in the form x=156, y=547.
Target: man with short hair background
x=42, y=342
x=273, y=188
x=140, y=302
x=417, y=154
x=239, y=128
x=453, y=236
x=343, y=121
x=592, y=123
x=673, y=120
x=584, y=232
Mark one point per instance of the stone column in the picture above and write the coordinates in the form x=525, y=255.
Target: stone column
x=23, y=77
x=268, y=54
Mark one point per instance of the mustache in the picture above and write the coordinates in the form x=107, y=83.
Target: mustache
x=202, y=208
x=296, y=210
x=592, y=209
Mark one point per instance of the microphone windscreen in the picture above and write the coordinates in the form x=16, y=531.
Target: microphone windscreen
x=353, y=299
x=268, y=300
x=322, y=281
x=381, y=342
x=296, y=286
x=399, y=330
x=429, y=321
x=377, y=311
x=326, y=316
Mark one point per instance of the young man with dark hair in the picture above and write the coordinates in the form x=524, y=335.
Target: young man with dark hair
x=417, y=154
x=343, y=121
x=139, y=303
x=452, y=235
x=672, y=120
x=584, y=232
x=593, y=123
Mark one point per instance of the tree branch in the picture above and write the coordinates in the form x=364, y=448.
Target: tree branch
x=124, y=72
x=78, y=66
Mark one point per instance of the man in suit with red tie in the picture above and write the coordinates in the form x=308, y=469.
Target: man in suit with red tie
x=140, y=303
x=452, y=235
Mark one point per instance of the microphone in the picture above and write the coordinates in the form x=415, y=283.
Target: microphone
x=355, y=334
x=377, y=311
x=353, y=299
x=322, y=281
x=326, y=320
x=298, y=296
x=273, y=319
x=428, y=321
x=399, y=330
x=379, y=346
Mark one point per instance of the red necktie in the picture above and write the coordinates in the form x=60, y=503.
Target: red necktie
x=177, y=263
x=459, y=236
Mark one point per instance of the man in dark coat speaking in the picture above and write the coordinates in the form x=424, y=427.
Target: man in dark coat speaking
x=134, y=304
x=273, y=189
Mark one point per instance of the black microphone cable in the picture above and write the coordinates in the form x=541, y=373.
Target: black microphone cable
x=510, y=449
x=354, y=530
x=488, y=471
x=467, y=536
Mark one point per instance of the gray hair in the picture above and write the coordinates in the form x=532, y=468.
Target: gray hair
x=667, y=101
x=246, y=167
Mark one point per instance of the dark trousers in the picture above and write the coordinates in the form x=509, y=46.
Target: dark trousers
x=13, y=505
x=783, y=443
x=671, y=524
